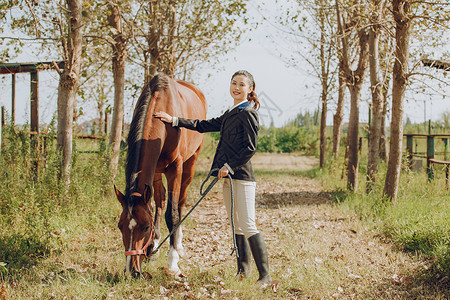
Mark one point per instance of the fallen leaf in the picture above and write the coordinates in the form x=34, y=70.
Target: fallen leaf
x=396, y=279
x=224, y=292
x=3, y=293
x=147, y=275
x=162, y=290
x=353, y=276
x=275, y=286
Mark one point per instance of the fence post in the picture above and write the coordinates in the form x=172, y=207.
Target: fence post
x=106, y=123
x=409, y=149
x=430, y=155
x=445, y=140
x=34, y=121
x=360, y=144
x=13, y=99
x=1, y=128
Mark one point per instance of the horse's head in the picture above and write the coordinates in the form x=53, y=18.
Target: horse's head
x=136, y=225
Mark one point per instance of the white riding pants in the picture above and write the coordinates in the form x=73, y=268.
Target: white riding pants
x=244, y=205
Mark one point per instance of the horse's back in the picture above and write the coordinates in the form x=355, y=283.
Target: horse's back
x=192, y=105
x=181, y=99
x=191, y=101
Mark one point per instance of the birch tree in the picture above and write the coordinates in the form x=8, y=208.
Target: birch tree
x=354, y=79
x=71, y=42
x=376, y=86
x=406, y=13
x=120, y=53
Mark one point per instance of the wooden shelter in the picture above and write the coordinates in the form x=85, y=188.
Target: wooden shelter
x=33, y=69
x=438, y=64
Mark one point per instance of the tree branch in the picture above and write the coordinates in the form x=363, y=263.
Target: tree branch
x=36, y=21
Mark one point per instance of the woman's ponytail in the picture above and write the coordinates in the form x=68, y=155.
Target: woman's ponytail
x=253, y=98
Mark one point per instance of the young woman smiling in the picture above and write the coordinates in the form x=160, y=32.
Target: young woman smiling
x=238, y=128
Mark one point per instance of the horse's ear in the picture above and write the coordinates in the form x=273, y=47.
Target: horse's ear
x=147, y=194
x=119, y=196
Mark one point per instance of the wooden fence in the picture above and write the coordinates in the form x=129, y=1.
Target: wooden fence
x=39, y=147
x=430, y=152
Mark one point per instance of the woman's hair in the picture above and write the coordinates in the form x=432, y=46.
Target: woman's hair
x=252, y=97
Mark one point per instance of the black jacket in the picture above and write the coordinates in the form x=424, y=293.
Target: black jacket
x=238, y=139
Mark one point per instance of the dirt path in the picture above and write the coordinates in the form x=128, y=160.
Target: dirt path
x=316, y=250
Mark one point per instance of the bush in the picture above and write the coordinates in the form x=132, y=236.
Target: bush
x=267, y=142
x=31, y=202
x=288, y=139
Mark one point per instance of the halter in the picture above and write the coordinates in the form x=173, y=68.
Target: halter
x=142, y=251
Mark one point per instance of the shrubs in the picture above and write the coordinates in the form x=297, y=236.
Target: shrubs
x=32, y=203
x=288, y=139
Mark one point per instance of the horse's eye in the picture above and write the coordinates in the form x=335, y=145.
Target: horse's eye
x=146, y=228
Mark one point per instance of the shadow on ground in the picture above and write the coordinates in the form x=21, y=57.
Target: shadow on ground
x=276, y=200
x=421, y=284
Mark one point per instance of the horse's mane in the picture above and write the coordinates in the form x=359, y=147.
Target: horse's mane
x=135, y=135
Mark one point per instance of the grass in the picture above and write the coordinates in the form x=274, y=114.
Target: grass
x=55, y=244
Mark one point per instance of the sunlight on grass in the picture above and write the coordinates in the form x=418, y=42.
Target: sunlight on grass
x=322, y=243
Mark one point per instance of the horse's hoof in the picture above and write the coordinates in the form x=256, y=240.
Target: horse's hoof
x=172, y=273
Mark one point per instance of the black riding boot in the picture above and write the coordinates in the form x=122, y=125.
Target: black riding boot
x=259, y=252
x=243, y=262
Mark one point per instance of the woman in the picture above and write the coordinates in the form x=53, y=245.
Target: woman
x=238, y=128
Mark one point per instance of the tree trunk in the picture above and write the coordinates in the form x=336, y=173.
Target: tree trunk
x=377, y=99
x=339, y=115
x=68, y=85
x=355, y=82
x=323, y=128
x=324, y=96
x=401, y=9
x=118, y=66
x=383, y=137
x=353, y=139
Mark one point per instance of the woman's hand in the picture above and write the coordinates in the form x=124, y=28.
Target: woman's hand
x=163, y=116
x=223, y=172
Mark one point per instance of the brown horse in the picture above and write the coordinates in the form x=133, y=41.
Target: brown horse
x=155, y=148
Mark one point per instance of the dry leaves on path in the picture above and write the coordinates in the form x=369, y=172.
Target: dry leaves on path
x=315, y=248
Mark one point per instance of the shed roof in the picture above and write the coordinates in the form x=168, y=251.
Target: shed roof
x=12, y=68
x=438, y=64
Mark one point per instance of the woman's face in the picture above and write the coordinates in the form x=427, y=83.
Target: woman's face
x=240, y=88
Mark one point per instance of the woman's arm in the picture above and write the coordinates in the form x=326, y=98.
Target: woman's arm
x=192, y=124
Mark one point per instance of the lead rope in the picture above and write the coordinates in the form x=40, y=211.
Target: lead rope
x=203, y=194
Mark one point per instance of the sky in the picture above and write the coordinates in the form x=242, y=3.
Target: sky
x=284, y=90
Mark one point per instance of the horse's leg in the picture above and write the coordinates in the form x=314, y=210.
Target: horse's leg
x=187, y=177
x=173, y=175
x=160, y=198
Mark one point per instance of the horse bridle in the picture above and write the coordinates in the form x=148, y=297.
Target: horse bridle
x=143, y=251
